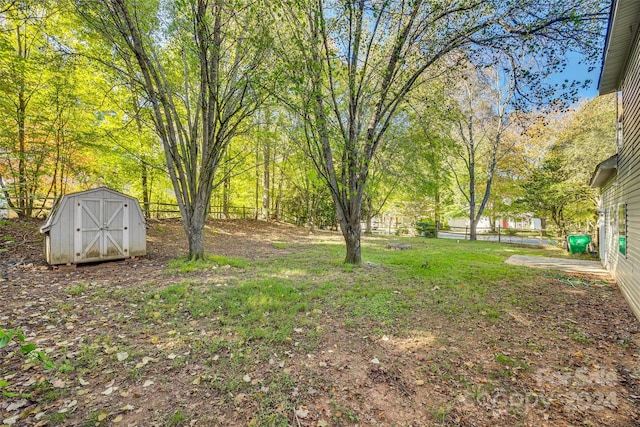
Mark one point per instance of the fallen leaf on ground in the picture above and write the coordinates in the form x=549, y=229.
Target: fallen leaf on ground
x=58, y=383
x=302, y=412
x=17, y=405
x=10, y=421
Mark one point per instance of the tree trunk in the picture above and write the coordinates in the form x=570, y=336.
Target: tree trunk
x=473, y=221
x=22, y=192
x=436, y=213
x=266, y=180
x=146, y=191
x=226, y=190
x=312, y=213
x=473, y=229
x=369, y=217
x=195, y=236
x=257, y=195
x=351, y=233
x=278, y=204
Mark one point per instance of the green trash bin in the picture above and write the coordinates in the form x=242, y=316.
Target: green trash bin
x=578, y=243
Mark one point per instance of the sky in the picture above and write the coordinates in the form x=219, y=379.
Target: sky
x=577, y=71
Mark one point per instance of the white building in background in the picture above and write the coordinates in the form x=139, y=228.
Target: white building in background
x=503, y=223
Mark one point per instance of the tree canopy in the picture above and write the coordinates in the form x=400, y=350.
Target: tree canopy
x=319, y=112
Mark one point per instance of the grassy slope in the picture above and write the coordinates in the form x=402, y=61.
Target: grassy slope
x=222, y=321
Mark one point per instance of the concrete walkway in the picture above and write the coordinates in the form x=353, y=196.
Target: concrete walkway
x=563, y=264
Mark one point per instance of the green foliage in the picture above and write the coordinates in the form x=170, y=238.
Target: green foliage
x=262, y=310
x=77, y=290
x=557, y=184
x=28, y=350
x=178, y=418
x=185, y=265
x=505, y=360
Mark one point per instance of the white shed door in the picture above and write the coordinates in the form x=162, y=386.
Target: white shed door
x=102, y=229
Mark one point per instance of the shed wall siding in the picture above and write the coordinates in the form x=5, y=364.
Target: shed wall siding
x=95, y=209
x=627, y=269
x=60, y=245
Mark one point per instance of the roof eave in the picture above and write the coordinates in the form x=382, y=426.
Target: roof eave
x=604, y=171
x=621, y=32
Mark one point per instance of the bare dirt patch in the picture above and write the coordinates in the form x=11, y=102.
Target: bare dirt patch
x=571, y=357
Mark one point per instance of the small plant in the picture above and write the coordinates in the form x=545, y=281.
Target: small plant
x=505, y=360
x=440, y=413
x=27, y=349
x=57, y=418
x=177, y=419
x=580, y=336
x=347, y=268
x=79, y=289
x=342, y=413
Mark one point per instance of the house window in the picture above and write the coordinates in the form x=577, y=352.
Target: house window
x=622, y=228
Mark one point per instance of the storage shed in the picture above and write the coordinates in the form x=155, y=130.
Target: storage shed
x=94, y=225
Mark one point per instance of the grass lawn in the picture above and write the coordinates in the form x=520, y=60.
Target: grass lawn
x=444, y=333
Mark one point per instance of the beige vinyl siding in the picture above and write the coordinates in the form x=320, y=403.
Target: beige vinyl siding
x=610, y=200
x=627, y=269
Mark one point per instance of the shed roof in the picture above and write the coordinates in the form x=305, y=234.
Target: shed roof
x=604, y=171
x=623, y=26
x=55, y=210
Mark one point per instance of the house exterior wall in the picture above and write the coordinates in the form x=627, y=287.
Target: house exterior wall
x=626, y=267
x=609, y=202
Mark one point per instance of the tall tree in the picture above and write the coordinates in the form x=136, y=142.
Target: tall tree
x=362, y=57
x=23, y=47
x=197, y=62
x=44, y=113
x=484, y=102
x=556, y=185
